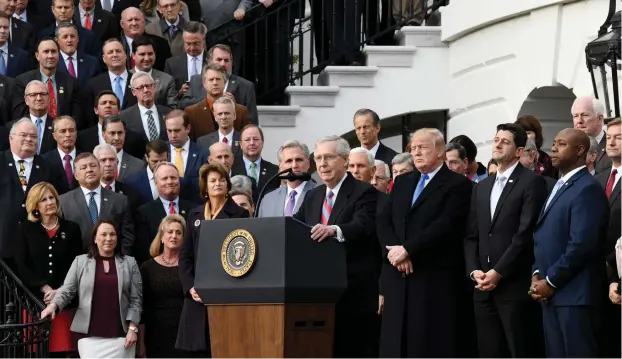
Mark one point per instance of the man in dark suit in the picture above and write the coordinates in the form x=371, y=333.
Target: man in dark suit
x=63, y=11
x=22, y=34
x=71, y=61
x=183, y=66
x=242, y=90
x=25, y=12
x=115, y=134
x=145, y=118
x=117, y=6
x=421, y=233
x=499, y=251
x=343, y=209
x=132, y=27
x=252, y=165
x=20, y=169
x=103, y=24
x=16, y=60
x=90, y=202
x=367, y=128
x=6, y=86
x=64, y=130
x=149, y=215
x=187, y=156
x=144, y=181
x=224, y=114
x=37, y=102
x=610, y=335
x=588, y=114
x=568, y=270
x=107, y=156
x=107, y=104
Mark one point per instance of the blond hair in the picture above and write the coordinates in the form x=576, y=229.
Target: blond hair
x=35, y=196
x=156, y=245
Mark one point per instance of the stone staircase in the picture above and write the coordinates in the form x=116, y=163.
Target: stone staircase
x=410, y=77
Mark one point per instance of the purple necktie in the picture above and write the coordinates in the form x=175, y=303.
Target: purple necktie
x=68, y=169
x=291, y=203
x=71, y=69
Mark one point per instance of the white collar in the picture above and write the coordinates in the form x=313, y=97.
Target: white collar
x=199, y=58
x=374, y=149
x=72, y=153
x=143, y=110
x=508, y=172
x=150, y=72
x=338, y=186
x=433, y=173
x=247, y=162
x=600, y=136
x=185, y=147
x=150, y=174
x=27, y=160
x=113, y=76
x=86, y=191
x=34, y=118
x=5, y=47
x=111, y=184
x=66, y=57
x=298, y=189
x=569, y=175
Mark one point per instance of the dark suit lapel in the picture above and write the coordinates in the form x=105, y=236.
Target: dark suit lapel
x=48, y=140
x=61, y=87
x=342, y=198
x=506, y=190
x=128, y=90
x=10, y=164
x=163, y=136
x=11, y=64
x=36, y=173
x=615, y=193
x=233, y=84
x=560, y=192
x=263, y=178
x=602, y=146
x=192, y=158
x=235, y=146
x=316, y=205
x=485, y=201
x=105, y=203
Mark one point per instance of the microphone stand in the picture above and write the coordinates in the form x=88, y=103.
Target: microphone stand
x=289, y=170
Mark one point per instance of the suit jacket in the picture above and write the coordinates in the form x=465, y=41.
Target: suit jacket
x=385, y=154
x=197, y=157
x=19, y=61
x=242, y=89
x=615, y=215
x=131, y=117
x=177, y=66
x=208, y=140
x=4, y=139
x=118, y=6
x=202, y=121
x=160, y=47
x=80, y=281
x=6, y=88
x=23, y=35
x=569, y=253
x=89, y=138
x=140, y=181
x=193, y=326
x=148, y=218
x=104, y=24
x=102, y=82
x=603, y=162
x=505, y=242
x=132, y=194
x=89, y=43
x=13, y=198
x=68, y=96
x=53, y=158
x=113, y=206
x=166, y=95
x=160, y=29
x=38, y=20
x=130, y=166
x=266, y=171
x=48, y=142
x=273, y=203
x=88, y=67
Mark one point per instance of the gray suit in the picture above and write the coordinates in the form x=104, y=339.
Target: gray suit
x=160, y=28
x=112, y=206
x=273, y=204
x=603, y=162
x=80, y=280
x=177, y=66
x=134, y=123
x=211, y=138
x=166, y=94
x=130, y=166
x=242, y=89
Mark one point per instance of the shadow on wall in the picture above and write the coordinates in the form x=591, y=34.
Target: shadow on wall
x=551, y=106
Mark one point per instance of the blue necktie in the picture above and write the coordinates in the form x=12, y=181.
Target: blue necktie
x=558, y=185
x=118, y=90
x=93, y=208
x=420, y=187
x=2, y=63
x=39, y=124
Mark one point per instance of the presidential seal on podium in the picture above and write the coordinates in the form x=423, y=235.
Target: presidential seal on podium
x=238, y=253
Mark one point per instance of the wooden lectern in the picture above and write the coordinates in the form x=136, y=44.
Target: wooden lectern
x=284, y=303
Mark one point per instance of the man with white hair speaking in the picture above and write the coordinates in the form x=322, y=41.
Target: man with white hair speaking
x=588, y=114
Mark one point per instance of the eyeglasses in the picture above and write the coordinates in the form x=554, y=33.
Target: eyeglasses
x=144, y=87
x=36, y=94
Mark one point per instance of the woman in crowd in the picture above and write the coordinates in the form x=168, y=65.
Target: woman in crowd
x=109, y=289
x=162, y=292
x=46, y=247
x=214, y=185
x=534, y=131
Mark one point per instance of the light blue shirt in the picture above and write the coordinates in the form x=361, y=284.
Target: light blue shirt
x=166, y=204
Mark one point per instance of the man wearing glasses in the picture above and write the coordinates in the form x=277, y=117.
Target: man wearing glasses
x=37, y=100
x=145, y=118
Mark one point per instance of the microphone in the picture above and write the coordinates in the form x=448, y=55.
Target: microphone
x=287, y=174
x=292, y=176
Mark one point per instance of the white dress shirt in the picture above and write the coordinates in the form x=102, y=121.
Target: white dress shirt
x=298, y=190
x=112, y=185
x=74, y=60
x=600, y=136
x=100, y=134
x=98, y=197
x=374, y=149
x=62, y=157
x=154, y=191
x=119, y=160
x=27, y=167
x=154, y=114
x=114, y=76
x=618, y=175
x=190, y=64
x=129, y=45
x=23, y=16
x=498, y=187
x=184, y=153
x=166, y=204
x=335, y=191
x=229, y=137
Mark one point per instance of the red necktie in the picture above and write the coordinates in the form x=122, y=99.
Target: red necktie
x=70, y=68
x=171, y=208
x=87, y=21
x=225, y=140
x=132, y=64
x=68, y=168
x=108, y=187
x=612, y=180
x=52, y=108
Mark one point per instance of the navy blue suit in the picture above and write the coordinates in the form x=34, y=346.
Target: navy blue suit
x=140, y=182
x=568, y=248
x=89, y=43
x=88, y=67
x=197, y=157
x=19, y=61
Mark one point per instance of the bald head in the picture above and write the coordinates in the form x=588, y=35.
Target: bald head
x=220, y=152
x=132, y=22
x=569, y=149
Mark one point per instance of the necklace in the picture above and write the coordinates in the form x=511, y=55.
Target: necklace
x=50, y=228
x=170, y=264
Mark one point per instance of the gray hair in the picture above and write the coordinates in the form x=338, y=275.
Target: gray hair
x=225, y=100
x=598, y=107
x=593, y=146
x=241, y=183
x=13, y=130
x=454, y=146
x=292, y=144
x=104, y=146
x=402, y=158
x=139, y=75
x=530, y=146
x=65, y=25
x=343, y=148
x=34, y=82
x=387, y=171
x=370, y=156
x=194, y=27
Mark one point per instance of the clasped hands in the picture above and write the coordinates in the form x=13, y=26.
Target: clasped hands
x=399, y=258
x=540, y=290
x=486, y=281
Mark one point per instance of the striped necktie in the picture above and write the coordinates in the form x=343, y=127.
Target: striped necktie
x=327, y=207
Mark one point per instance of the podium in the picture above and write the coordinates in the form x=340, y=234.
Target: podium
x=270, y=290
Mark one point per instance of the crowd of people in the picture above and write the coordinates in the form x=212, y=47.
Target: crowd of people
x=108, y=166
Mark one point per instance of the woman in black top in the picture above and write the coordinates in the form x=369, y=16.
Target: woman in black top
x=46, y=247
x=214, y=184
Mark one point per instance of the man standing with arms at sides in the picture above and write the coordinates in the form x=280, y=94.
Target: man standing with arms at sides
x=344, y=209
x=568, y=272
x=367, y=128
x=499, y=251
x=588, y=114
x=287, y=199
x=421, y=232
x=610, y=181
